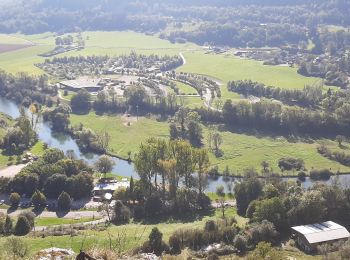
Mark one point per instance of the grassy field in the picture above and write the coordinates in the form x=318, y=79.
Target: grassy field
x=185, y=89
x=134, y=234
x=240, y=150
x=123, y=138
x=226, y=67
x=60, y=221
x=97, y=43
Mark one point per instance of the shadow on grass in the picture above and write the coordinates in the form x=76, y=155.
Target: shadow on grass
x=177, y=218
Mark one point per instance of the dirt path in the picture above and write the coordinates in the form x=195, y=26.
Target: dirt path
x=11, y=171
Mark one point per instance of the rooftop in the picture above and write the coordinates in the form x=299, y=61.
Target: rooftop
x=322, y=232
x=111, y=186
x=81, y=83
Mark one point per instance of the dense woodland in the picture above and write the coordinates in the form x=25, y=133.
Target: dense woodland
x=221, y=22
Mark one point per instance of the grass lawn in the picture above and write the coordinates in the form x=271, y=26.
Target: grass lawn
x=123, y=138
x=185, y=89
x=240, y=150
x=60, y=221
x=38, y=149
x=226, y=67
x=134, y=234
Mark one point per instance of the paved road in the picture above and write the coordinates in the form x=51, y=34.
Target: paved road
x=50, y=214
x=11, y=171
x=184, y=61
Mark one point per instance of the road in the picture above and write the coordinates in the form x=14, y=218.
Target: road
x=50, y=214
x=11, y=171
x=184, y=61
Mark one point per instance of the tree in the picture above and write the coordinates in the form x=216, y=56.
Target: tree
x=15, y=198
x=340, y=139
x=272, y=210
x=22, y=227
x=245, y=192
x=106, y=210
x=81, y=101
x=265, y=250
x=38, y=199
x=104, y=164
x=217, y=140
x=220, y=191
x=202, y=161
x=55, y=185
x=64, y=202
x=195, y=135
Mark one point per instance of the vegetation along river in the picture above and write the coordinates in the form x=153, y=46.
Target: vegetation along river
x=123, y=168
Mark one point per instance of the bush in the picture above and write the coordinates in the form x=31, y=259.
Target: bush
x=153, y=206
x=8, y=226
x=288, y=164
x=64, y=202
x=15, y=198
x=16, y=247
x=324, y=174
x=302, y=176
x=30, y=216
x=121, y=214
x=240, y=242
x=175, y=244
x=22, y=227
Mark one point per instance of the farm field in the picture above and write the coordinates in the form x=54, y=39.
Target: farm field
x=240, y=151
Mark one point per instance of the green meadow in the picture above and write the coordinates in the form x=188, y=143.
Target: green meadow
x=240, y=150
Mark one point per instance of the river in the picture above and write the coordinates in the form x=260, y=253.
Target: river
x=123, y=168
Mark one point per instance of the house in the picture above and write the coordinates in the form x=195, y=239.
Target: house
x=105, y=188
x=308, y=237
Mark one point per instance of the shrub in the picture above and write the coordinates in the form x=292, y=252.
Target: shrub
x=16, y=247
x=302, y=176
x=323, y=174
x=175, y=244
x=121, y=214
x=210, y=226
x=64, y=202
x=240, y=242
x=8, y=226
x=289, y=164
x=22, y=227
x=15, y=198
x=155, y=240
x=153, y=206
x=30, y=216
